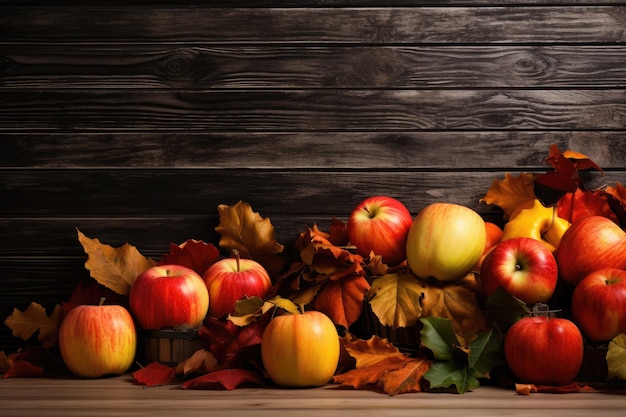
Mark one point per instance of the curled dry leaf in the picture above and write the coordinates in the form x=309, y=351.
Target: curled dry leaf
x=115, y=268
x=510, y=193
x=395, y=299
x=154, y=374
x=201, y=361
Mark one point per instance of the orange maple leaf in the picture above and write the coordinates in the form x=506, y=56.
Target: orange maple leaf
x=511, y=193
x=115, y=268
x=380, y=364
x=35, y=319
x=342, y=300
x=566, y=165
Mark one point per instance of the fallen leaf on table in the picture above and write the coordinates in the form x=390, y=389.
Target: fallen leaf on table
x=227, y=378
x=115, y=268
x=527, y=389
x=25, y=323
x=154, y=374
x=201, y=361
x=381, y=364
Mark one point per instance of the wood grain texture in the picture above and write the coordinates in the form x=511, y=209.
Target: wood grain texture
x=197, y=67
x=318, y=25
x=117, y=397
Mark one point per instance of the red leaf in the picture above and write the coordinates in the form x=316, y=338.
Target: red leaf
x=23, y=369
x=338, y=233
x=578, y=204
x=566, y=166
x=227, y=340
x=527, y=389
x=194, y=254
x=228, y=379
x=154, y=374
x=89, y=291
x=342, y=300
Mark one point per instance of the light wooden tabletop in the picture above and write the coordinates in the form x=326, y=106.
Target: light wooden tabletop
x=118, y=396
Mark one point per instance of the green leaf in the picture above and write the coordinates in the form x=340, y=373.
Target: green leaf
x=503, y=309
x=453, y=372
x=486, y=352
x=616, y=357
x=438, y=335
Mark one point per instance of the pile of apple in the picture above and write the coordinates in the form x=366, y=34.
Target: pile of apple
x=99, y=340
x=447, y=241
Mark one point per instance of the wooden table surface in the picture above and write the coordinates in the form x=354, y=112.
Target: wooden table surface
x=119, y=397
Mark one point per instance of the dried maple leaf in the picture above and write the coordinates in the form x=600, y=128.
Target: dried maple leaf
x=616, y=357
x=89, y=291
x=115, y=268
x=566, y=165
x=201, y=361
x=227, y=378
x=455, y=301
x=395, y=299
x=575, y=205
x=510, y=193
x=194, y=254
x=154, y=374
x=244, y=230
x=379, y=363
x=618, y=191
x=25, y=323
x=338, y=235
x=527, y=389
x=342, y=301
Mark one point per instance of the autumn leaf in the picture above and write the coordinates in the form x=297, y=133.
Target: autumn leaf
x=342, y=301
x=90, y=292
x=250, y=309
x=616, y=357
x=575, y=205
x=618, y=191
x=511, y=193
x=338, y=235
x=380, y=364
x=115, y=268
x=395, y=299
x=32, y=361
x=565, y=176
x=455, y=301
x=244, y=230
x=201, y=361
x=227, y=378
x=194, y=254
x=456, y=364
x=25, y=323
x=527, y=389
x=154, y=374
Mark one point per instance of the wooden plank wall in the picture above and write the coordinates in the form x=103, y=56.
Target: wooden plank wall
x=133, y=120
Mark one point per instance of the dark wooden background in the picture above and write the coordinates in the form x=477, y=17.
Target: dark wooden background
x=133, y=120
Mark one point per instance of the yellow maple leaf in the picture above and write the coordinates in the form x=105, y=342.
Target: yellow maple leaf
x=115, y=268
x=25, y=323
x=511, y=192
x=395, y=299
x=616, y=357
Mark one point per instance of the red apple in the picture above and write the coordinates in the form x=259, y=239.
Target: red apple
x=544, y=350
x=590, y=244
x=599, y=304
x=169, y=296
x=380, y=224
x=231, y=279
x=445, y=241
x=523, y=266
x=98, y=340
x=300, y=350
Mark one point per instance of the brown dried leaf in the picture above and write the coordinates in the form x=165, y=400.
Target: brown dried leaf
x=245, y=230
x=201, y=361
x=34, y=318
x=115, y=268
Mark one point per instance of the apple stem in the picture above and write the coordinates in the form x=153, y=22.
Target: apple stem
x=101, y=302
x=237, y=257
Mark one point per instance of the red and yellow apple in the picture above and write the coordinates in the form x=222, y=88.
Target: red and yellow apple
x=523, y=266
x=380, y=224
x=590, y=244
x=544, y=350
x=599, y=304
x=445, y=241
x=168, y=296
x=232, y=279
x=98, y=340
x=300, y=350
